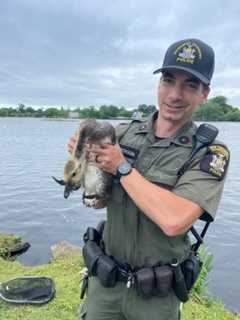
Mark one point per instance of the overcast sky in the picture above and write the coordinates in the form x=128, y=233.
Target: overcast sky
x=94, y=52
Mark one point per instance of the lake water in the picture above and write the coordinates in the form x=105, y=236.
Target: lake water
x=32, y=204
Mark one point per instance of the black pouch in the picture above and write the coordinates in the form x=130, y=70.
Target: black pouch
x=164, y=279
x=179, y=286
x=191, y=269
x=91, y=253
x=145, y=282
x=107, y=271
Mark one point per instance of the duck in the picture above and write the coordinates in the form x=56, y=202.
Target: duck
x=80, y=173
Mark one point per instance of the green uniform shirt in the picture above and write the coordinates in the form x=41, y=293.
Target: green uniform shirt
x=130, y=236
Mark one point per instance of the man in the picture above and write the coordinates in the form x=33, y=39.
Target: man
x=154, y=203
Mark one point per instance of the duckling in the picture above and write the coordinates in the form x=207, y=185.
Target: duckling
x=81, y=173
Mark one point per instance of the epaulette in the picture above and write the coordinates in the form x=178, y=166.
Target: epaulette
x=123, y=127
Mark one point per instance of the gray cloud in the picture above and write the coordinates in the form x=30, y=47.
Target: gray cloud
x=75, y=53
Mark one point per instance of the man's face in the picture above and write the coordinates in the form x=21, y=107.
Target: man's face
x=179, y=95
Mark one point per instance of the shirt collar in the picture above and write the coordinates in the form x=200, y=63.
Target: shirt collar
x=184, y=136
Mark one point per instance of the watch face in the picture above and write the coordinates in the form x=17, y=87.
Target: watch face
x=124, y=168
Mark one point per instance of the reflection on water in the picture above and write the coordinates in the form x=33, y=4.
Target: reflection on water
x=31, y=204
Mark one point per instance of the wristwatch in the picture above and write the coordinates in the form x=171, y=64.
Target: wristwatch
x=123, y=169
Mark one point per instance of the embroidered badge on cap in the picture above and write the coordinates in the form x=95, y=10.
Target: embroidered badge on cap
x=188, y=52
x=216, y=161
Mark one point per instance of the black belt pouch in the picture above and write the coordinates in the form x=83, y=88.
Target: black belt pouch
x=91, y=252
x=145, y=282
x=164, y=278
x=191, y=269
x=107, y=271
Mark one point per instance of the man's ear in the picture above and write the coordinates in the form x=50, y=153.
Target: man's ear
x=206, y=91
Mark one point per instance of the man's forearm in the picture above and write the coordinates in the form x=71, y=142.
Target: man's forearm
x=173, y=214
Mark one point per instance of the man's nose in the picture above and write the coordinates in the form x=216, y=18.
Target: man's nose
x=176, y=93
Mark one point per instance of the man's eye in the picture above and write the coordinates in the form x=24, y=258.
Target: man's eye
x=167, y=80
x=192, y=85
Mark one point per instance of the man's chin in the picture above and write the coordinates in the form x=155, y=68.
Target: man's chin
x=172, y=117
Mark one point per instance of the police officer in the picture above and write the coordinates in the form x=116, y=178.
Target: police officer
x=153, y=203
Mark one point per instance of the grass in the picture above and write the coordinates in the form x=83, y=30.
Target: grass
x=206, y=310
x=66, y=272
x=7, y=242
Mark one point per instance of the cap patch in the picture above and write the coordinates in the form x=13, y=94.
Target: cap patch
x=216, y=161
x=188, y=52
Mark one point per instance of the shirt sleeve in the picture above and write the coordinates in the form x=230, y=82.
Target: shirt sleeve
x=202, y=187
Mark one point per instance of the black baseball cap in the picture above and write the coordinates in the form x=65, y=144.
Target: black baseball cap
x=190, y=55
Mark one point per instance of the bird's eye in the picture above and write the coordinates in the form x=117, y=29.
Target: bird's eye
x=74, y=174
x=74, y=188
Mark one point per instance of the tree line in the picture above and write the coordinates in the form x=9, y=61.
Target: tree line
x=215, y=109
x=103, y=112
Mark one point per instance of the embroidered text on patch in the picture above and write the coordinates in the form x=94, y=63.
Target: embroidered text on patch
x=188, y=52
x=216, y=161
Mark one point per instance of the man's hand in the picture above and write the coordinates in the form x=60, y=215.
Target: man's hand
x=106, y=157
x=71, y=144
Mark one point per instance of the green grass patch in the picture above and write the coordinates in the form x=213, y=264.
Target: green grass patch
x=206, y=310
x=66, y=272
x=7, y=242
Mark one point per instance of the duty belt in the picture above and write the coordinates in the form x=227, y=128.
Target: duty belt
x=151, y=281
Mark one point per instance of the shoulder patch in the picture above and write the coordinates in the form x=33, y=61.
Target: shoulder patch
x=216, y=160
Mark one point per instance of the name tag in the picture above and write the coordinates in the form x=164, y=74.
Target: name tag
x=129, y=153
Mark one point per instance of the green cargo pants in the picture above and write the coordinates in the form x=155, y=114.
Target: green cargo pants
x=121, y=303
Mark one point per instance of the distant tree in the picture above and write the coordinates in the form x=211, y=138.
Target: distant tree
x=233, y=116
x=143, y=108
x=123, y=112
x=21, y=107
x=209, y=112
x=152, y=108
x=146, y=109
x=113, y=111
x=216, y=109
x=220, y=100
x=103, y=112
x=90, y=112
x=39, y=113
x=4, y=112
x=51, y=112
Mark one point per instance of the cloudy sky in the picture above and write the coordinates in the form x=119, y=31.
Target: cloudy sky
x=94, y=52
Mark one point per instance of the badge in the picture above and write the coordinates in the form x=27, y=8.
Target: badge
x=216, y=161
x=188, y=52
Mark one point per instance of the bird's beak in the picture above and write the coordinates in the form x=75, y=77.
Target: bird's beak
x=61, y=182
x=67, y=191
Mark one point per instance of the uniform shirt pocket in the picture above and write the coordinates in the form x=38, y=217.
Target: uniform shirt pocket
x=166, y=179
